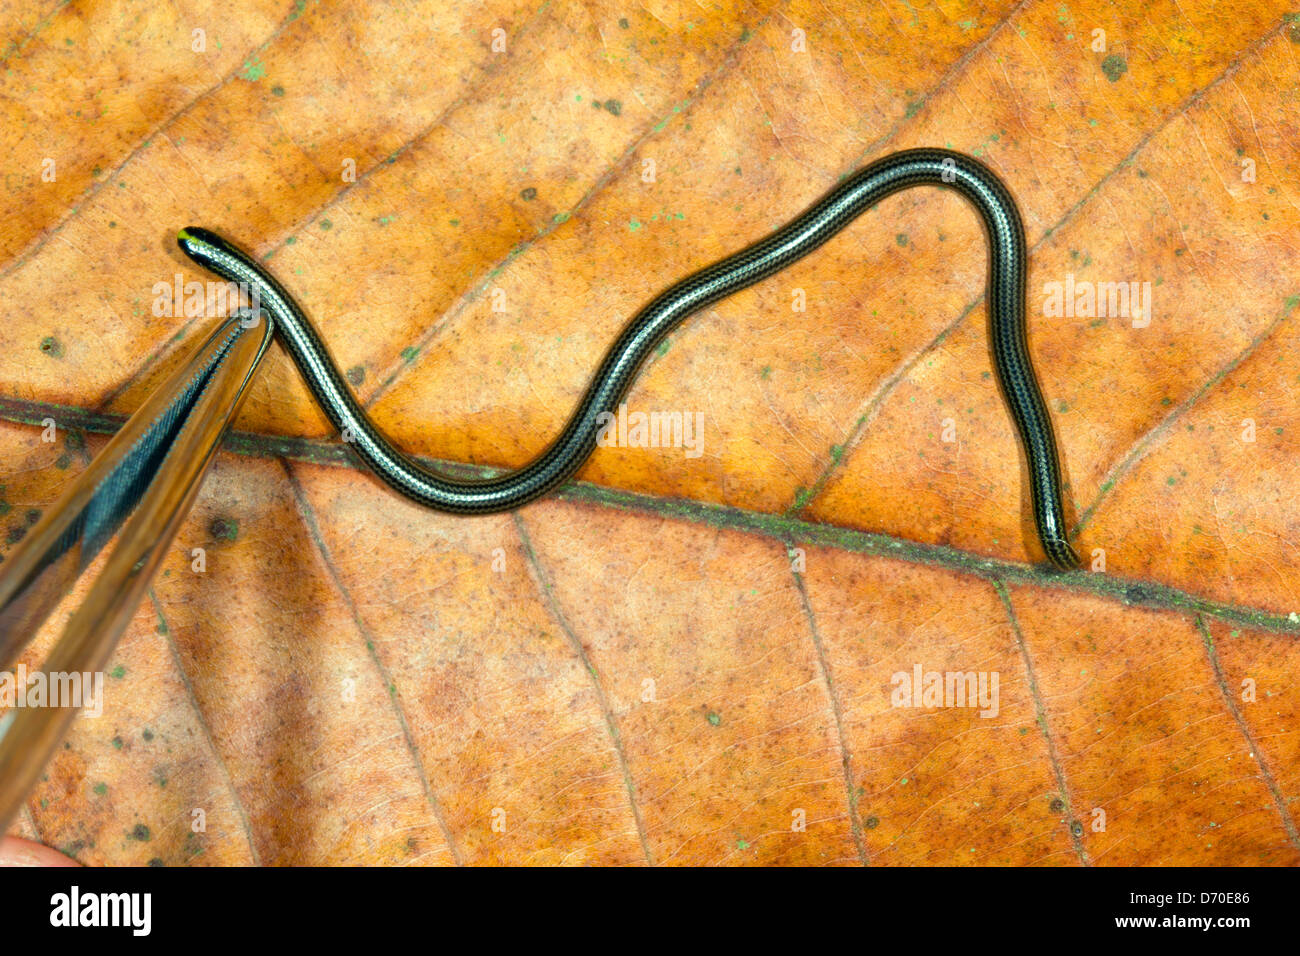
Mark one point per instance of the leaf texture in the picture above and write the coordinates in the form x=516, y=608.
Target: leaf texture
x=679, y=659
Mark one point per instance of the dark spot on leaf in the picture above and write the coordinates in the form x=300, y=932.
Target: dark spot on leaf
x=1057, y=805
x=277, y=91
x=16, y=534
x=357, y=374
x=33, y=515
x=226, y=529
x=1076, y=828
x=52, y=347
x=528, y=195
x=1114, y=66
x=622, y=22
x=1293, y=33
x=157, y=861
x=148, y=734
x=1137, y=594
x=141, y=833
x=901, y=238
x=613, y=107
x=872, y=822
x=63, y=461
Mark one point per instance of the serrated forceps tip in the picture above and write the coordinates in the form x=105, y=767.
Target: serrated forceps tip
x=150, y=471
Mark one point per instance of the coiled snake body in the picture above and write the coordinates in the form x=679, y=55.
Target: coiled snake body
x=638, y=340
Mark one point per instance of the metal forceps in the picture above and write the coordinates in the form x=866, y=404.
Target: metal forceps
x=150, y=470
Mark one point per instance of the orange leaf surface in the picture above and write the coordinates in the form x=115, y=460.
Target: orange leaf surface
x=678, y=659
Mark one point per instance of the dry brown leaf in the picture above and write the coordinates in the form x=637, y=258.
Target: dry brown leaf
x=678, y=660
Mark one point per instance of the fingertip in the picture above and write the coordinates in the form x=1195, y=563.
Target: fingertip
x=17, y=852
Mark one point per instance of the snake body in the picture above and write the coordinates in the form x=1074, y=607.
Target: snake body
x=648, y=328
